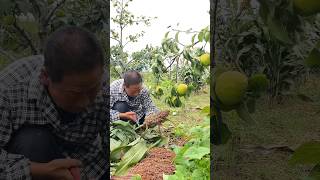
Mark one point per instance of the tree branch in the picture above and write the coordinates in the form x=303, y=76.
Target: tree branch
x=185, y=31
x=115, y=39
x=126, y=44
x=47, y=20
x=141, y=20
x=173, y=59
x=130, y=61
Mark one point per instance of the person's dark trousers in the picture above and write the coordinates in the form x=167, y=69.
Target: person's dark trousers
x=122, y=107
x=38, y=144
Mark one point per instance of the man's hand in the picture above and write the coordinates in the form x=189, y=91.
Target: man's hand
x=55, y=169
x=129, y=115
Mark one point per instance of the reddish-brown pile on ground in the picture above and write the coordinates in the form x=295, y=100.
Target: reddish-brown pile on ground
x=154, y=119
x=158, y=162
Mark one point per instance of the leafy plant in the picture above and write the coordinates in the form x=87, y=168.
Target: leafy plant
x=129, y=144
x=193, y=159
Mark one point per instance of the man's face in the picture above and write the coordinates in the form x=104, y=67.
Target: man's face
x=76, y=91
x=133, y=90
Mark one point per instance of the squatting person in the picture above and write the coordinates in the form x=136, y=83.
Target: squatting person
x=129, y=99
x=52, y=111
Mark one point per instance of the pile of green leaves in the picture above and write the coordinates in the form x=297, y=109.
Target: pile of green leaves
x=193, y=159
x=128, y=145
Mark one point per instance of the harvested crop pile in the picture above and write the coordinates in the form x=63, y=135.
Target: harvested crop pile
x=161, y=153
x=158, y=162
x=154, y=119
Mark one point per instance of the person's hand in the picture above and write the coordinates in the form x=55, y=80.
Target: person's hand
x=58, y=169
x=129, y=115
x=75, y=172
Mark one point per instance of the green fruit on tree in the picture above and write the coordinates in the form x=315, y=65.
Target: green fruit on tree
x=258, y=82
x=231, y=87
x=223, y=107
x=205, y=59
x=182, y=89
x=307, y=7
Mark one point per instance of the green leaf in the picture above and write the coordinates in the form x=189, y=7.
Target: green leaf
x=173, y=91
x=201, y=36
x=114, y=144
x=181, y=172
x=192, y=40
x=132, y=156
x=179, y=159
x=307, y=153
x=136, y=177
x=166, y=35
x=198, y=174
x=278, y=30
x=177, y=36
x=196, y=152
x=122, y=123
x=118, y=152
x=177, y=176
x=207, y=36
x=206, y=110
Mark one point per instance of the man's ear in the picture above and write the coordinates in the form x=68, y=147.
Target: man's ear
x=44, y=77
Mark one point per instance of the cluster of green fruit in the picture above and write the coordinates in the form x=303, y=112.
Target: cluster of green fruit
x=176, y=93
x=232, y=89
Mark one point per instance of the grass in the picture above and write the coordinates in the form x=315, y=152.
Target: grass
x=190, y=113
x=289, y=124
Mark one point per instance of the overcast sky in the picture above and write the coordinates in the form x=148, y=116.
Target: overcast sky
x=188, y=13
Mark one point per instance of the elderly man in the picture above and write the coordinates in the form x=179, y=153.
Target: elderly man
x=52, y=111
x=129, y=99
